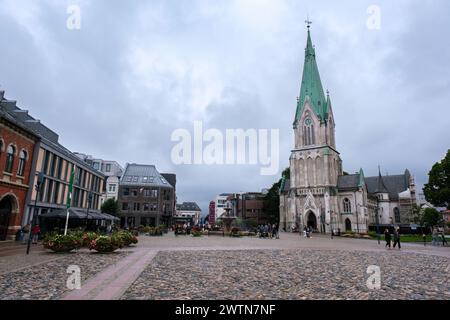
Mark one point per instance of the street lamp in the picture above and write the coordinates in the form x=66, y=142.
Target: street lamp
x=39, y=182
x=88, y=205
x=377, y=223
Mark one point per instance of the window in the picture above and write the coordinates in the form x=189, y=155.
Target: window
x=126, y=191
x=146, y=206
x=137, y=206
x=22, y=159
x=112, y=188
x=347, y=206
x=135, y=179
x=397, y=215
x=108, y=168
x=144, y=179
x=96, y=165
x=134, y=192
x=10, y=158
x=128, y=178
x=125, y=206
x=308, y=132
x=46, y=159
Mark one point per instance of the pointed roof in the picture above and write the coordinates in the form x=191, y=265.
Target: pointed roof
x=311, y=87
x=381, y=187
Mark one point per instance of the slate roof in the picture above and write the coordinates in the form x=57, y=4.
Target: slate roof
x=393, y=185
x=188, y=206
x=143, y=175
x=47, y=136
x=348, y=182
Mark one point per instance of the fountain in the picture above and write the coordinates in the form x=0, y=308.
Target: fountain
x=228, y=217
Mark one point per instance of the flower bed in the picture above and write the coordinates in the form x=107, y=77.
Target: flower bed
x=105, y=244
x=61, y=243
x=127, y=238
x=87, y=238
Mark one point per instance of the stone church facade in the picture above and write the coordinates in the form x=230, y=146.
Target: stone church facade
x=318, y=193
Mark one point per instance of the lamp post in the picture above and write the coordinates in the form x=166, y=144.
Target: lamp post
x=377, y=223
x=88, y=205
x=38, y=189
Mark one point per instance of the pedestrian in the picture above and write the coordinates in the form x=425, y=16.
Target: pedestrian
x=269, y=230
x=387, y=237
x=304, y=232
x=444, y=241
x=36, y=231
x=26, y=233
x=397, y=238
x=424, y=237
x=434, y=237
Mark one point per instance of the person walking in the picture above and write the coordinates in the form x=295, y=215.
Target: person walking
x=434, y=237
x=36, y=231
x=444, y=241
x=387, y=237
x=397, y=238
x=424, y=237
x=26, y=233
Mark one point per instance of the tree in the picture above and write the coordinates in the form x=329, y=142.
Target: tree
x=437, y=190
x=110, y=206
x=271, y=205
x=431, y=217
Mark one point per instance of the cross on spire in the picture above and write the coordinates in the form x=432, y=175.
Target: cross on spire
x=308, y=23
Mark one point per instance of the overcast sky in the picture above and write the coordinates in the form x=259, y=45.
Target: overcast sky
x=136, y=71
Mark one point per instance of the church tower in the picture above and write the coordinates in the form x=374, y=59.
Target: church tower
x=314, y=162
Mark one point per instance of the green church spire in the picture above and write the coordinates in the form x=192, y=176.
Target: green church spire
x=311, y=86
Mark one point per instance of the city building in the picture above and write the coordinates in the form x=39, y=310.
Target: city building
x=17, y=144
x=318, y=194
x=189, y=210
x=112, y=170
x=56, y=164
x=145, y=197
x=212, y=213
x=220, y=202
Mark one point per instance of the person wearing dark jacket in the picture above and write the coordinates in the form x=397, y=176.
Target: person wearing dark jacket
x=387, y=237
x=397, y=238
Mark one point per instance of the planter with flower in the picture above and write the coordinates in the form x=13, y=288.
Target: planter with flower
x=127, y=238
x=87, y=238
x=61, y=243
x=235, y=232
x=105, y=244
x=196, y=232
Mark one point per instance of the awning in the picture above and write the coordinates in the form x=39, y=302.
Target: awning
x=79, y=213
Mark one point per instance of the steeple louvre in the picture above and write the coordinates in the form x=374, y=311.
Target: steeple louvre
x=311, y=87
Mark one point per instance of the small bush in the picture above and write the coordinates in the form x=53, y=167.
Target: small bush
x=61, y=243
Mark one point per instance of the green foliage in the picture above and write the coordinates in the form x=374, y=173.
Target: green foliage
x=110, y=206
x=61, y=243
x=106, y=244
x=437, y=190
x=127, y=238
x=431, y=217
x=271, y=205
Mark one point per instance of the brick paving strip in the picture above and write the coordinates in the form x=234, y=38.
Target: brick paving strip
x=111, y=283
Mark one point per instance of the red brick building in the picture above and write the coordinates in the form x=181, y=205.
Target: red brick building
x=16, y=154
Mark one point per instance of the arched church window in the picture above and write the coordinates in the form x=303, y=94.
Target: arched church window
x=22, y=159
x=397, y=215
x=347, y=206
x=308, y=132
x=10, y=158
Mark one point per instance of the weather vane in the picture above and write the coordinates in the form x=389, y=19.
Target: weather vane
x=308, y=22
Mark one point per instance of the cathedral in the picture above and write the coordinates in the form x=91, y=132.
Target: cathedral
x=318, y=193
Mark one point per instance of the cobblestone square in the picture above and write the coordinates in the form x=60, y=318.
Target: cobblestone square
x=184, y=268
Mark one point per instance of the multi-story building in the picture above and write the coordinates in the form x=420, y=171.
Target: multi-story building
x=145, y=197
x=17, y=144
x=189, y=210
x=56, y=163
x=112, y=171
x=212, y=213
x=220, y=202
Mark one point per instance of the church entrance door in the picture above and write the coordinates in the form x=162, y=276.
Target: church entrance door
x=312, y=220
x=5, y=214
x=348, y=225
